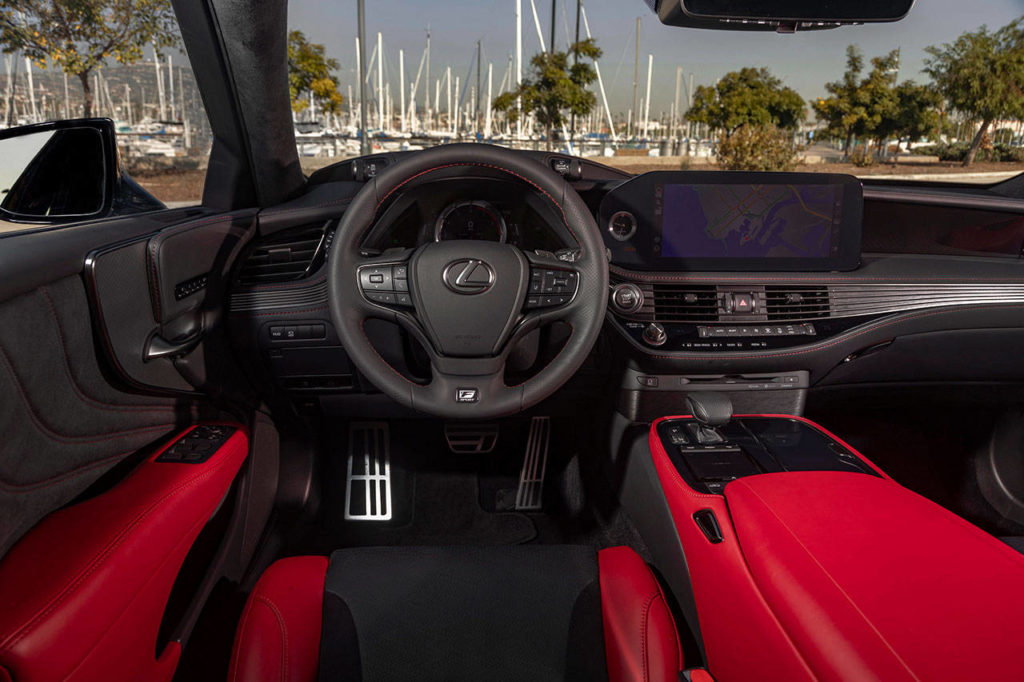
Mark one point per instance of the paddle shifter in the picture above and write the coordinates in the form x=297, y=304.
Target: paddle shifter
x=711, y=410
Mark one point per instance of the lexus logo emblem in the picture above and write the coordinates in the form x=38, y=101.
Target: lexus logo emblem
x=468, y=276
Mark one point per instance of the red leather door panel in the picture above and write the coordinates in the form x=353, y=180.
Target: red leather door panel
x=83, y=593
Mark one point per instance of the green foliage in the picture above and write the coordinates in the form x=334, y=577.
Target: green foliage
x=981, y=74
x=861, y=157
x=874, y=107
x=311, y=71
x=1003, y=136
x=868, y=106
x=79, y=35
x=747, y=97
x=958, y=151
x=555, y=88
x=757, y=148
x=917, y=111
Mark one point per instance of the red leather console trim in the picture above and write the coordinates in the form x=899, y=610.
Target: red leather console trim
x=84, y=592
x=641, y=641
x=278, y=637
x=873, y=581
x=743, y=639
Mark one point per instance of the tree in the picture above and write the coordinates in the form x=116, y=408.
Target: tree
x=981, y=74
x=917, y=112
x=555, y=87
x=860, y=107
x=311, y=72
x=747, y=97
x=80, y=35
x=877, y=95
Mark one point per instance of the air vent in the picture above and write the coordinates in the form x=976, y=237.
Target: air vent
x=796, y=302
x=685, y=303
x=285, y=257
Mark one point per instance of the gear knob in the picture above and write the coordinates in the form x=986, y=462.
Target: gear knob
x=710, y=408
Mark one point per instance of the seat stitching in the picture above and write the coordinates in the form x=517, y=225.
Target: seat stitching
x=284, y=633
x=643, y=634
x=100, y=558
x=241, y=638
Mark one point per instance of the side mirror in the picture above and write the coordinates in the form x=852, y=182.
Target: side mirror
x=58, y=171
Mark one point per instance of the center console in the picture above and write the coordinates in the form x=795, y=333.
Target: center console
x=749, y=445
x=794, y=557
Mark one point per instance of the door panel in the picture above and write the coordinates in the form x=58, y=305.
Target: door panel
x=70, y=413
x=62, y=424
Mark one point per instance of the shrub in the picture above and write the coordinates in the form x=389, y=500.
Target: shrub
x=757, y=148
x=861, y=157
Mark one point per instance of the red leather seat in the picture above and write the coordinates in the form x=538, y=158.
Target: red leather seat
x=280, y=635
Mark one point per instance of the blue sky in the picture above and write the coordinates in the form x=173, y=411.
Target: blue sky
x=804, y=61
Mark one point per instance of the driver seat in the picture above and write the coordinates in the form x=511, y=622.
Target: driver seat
x=458, y=613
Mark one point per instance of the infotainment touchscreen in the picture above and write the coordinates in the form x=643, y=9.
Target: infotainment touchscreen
x=748, y=221
x=735, y=221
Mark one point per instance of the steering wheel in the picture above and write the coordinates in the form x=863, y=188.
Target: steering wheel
x=467, y=302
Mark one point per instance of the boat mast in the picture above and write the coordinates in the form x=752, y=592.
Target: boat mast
x=380, y=80
x=636, y=73
x=519, y=64
x=401, y=84
x=364, y=141
x=647, y=97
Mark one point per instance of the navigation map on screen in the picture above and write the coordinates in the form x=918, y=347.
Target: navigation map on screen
x=749, y=221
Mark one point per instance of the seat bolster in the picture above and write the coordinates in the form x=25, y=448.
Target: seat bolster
x=641, y=641
x=278, y=637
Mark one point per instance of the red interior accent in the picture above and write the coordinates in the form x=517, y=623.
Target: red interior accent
x=873, y=581
x=742, y=637
x=837, y=575
x=641, y=642
x=278, y=637
x=84, y=592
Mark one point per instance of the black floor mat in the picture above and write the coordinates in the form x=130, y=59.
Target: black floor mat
x=440, y=498
x=435, y=496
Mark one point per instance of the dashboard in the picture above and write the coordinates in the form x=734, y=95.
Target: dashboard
x=488, y=209
x=934, y=290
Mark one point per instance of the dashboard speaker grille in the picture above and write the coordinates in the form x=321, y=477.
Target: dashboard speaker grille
x=685, y=303
x=796, y=302
x=285, y=257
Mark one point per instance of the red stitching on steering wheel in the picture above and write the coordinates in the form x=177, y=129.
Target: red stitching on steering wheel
x=493, y=167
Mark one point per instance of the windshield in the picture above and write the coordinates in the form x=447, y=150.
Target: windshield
x=605, y=79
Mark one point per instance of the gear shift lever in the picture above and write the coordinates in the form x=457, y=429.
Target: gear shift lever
x=711, y=410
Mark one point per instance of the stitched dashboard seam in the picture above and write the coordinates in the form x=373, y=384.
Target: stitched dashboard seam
x=483, y=165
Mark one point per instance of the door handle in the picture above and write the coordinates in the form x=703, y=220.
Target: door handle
x=159, y=347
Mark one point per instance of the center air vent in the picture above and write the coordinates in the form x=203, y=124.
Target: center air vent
x=685, y=303
x=284, y=257
x=796, y=302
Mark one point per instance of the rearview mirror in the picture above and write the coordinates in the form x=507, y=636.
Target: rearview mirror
x=58, y=171
x=785, y=16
